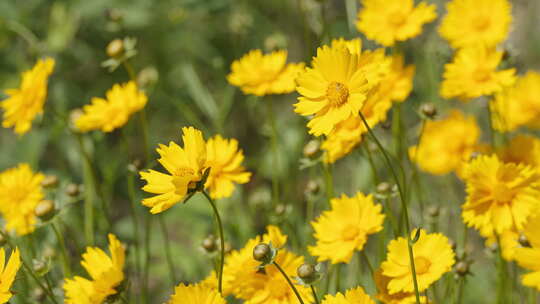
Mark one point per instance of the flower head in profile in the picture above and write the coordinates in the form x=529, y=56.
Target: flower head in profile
x=473, y=22
x=433, y=257
x=383, y=295
x=106, y=273
x=8, y=273
x=529, y=257
x=445, y=144
x=225, y=160
x=352, y=296
x=195, y=294
x=243, y=279
x=20, y=193
x=26, y=102
x=344, y=229
x=518, y=105
x=264, y=74
x=473, y=73
x=185, y=167
x=109, y=114
x=500, y=196
x=389, y=21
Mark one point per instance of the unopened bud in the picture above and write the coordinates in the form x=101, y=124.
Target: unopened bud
x=48, y=252
x=453, y=244
x=38, y=294
x=280, y=209
x=228, y=248
x=135, y=166
x=147, y=77
x=72, y=190
x=312, y=148
x=50, y=181
x=312, y=187
x=523, y=241
x=306, y=271
x=39, y=266
x=209, y=244
x=74, y=115
x=429, y=110
x=114, y=14
x=262, y=252
x=433, y=211
x=3, y=240
x=45, y=210
x=115, y=48
x=462, y=268
x=383, y=188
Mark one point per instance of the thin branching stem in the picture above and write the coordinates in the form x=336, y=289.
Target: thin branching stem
x=314, y=294
x=62, y=243
x=221, y=240
x=289, y=281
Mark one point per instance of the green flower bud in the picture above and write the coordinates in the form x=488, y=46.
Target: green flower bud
x=262, y=252
x=45, y=210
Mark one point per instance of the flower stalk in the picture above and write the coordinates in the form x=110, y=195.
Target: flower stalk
x=221, y=240
x=289, y=281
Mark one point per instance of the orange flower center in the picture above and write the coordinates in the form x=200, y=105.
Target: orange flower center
x=482, y=24
x=397, y=19
x=502, y=194
x=337, y=93
x=350, y=232
x=482, y=75
x=421, y=265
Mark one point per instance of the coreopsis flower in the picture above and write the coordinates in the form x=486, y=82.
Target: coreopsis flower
x=345, y=227
x=389, y=21
x=518, y=105
x=225, y=160
x=473, y=73
x=343, y=139
x=26, y=102
x=529, y=257
x=243, y=280
x=336, y=87
x=472, y=22
x=352, y=296
x=445, y=144
x=259, y=74
x=433, y=257
x=195, y=294
x=8, y=273
x=398, y=83
x=383, y=295
x=106, y=115
x=522, y=149
x=106, y=274
x=500, y=196
x=20, y=193
x=185, y=168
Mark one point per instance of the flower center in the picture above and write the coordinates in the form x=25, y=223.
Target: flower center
x=421, y=265
x=482, y=75
x=337, y=93
x=502, y=194
x=482, y=24
x=397, y=19
x=350, y=232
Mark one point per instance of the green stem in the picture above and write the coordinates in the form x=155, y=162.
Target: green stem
x=416, y=174
x=167, y=248
x=376, y=178
x=275, y=152
x=221, y=239
x=146, y=271
x=130, y=70
x=365, y=258
x=502, y=291
x=65, y=256
x=314, y=294
x=338, y=277
x=289, y=281
x=144, y=130
x=329, y=179
x=403, y=203
x=396, y=132
x=89, y=198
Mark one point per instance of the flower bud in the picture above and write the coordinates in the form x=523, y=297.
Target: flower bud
x=312, y=187
x=306, y=272
x=312, y=148
x=433, y=211
x=523, y=241
x=228, y=248
x=39, y=266
x=262, y=252
x=38, y=294
x=384, y=188
x=115, y=48
x=135, y=166
x=48, y=252
x=74, y=115
x=45, y=210
x=114, y=15
x=462, y=268
x=209, y=244
x=50, y=181
x=147, y=77
x=428, y=110
x=280, y=209
x=72, y=190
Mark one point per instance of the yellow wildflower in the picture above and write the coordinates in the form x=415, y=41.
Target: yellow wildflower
x=529, y=257
x=343, y=139
x=8, y=273
x=389, y=21
x=185, y=167
x=225, y=159
x=352, y=296
x=105, y=272
x=195, y=294
x=473, y=73
x=472, y=22
x=381, y=282
x=26, y=102
x=345, y=227
x=259, y=74
x=522, y=149
x=20, y=193
x=433, y=257
x=112, y=113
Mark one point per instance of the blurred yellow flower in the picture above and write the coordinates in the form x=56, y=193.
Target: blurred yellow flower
x=225, y=160
x=522, y=149
x=343, y=139
x=105, y=272
x=26, y=102
x=8, y=273
x=352, y=296
x=500, y=196
x=398, y=83
x=195, y=294
x=529, y=257
x=20, y=193
x=473, y=73
x=259, y=74
x=114, y=112
x=473, y=22
x=433, y=257
x=518, y=105
x=242, y=279
x=389, y=21
x=185, y=167
x=345, y=227
x=445, y=144
x=381, y=282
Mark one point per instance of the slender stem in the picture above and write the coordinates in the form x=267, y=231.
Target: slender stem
x=502, y=291
x=130, y=70
x=275, y=152
x=366, y=259
x=65, y=256
x=289, y=281
x=221, y=239
x=146, y=270
x=396, y=131
x=329, y=179
x=144, y=130
x=416, y=175
x=135, y=222
x=167, y=248
x=338, y=277
x=376, y=178
x=88, y=195
x=403, y=203
x=314, y=294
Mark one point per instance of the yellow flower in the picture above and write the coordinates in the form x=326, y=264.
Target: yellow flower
x=105, y=272
x=345, y=227
x=518, y=105
x=381, y=282
x=445, y=144
x=185, y=167
x=529, y=257
x=352, y=296
x=242, y=279
x=472, y=22
x=8, y=273
x=389, y=21
x=112, y=113
x=398, y=83
x=259, y=74
x=500, y=196
x=433, y=257
x=20, y=192
x=473, y=73
x=26, y=102
x=195, y=294
x=336, y=88
x=225, y=159
x=522, y=149
x=343, y=139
